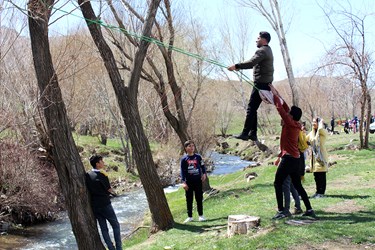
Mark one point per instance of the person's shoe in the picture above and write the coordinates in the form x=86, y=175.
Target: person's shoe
x=287, y=213
x=317, y=196
x=309, y=213
x=242, y=137
x=202, y=218
x=189, y=219
x=253, y=137
x=298, y=211
x=279, y=215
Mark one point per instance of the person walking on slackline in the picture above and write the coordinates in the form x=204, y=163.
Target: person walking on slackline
x=262, y=65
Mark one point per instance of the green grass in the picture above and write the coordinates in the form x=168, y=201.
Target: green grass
x=347, y=212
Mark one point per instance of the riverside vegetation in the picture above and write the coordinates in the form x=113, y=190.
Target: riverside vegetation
x=345, y=216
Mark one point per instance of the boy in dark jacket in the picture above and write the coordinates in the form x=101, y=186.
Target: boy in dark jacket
x=100, y=191
x=193, y=173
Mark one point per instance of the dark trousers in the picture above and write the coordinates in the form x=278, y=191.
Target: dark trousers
x=288, y=189
x=320, y=182
x=194, y=188
x=103, y=215
x=289, y=166
x=251, y=121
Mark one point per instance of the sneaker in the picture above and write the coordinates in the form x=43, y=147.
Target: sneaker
x=317, y=196
x=242, y=137
x=298, y=211
x=189, y=219
x=279, y=215
x=202, y=218
x=309, y=213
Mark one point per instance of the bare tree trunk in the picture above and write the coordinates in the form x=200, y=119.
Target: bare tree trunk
x=363, y=107
x=368, y=116
x=279, y=28
x=65, y=155
x=127, y=100
x=176, y=119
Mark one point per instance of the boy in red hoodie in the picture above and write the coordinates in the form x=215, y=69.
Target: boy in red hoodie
x=289, y=155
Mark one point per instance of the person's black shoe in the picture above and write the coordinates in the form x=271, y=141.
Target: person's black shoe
x=309, y=213
x=253, y=137
x=279, y=215
x=242, y=137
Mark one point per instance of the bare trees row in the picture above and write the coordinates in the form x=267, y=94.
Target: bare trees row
x=353, y=57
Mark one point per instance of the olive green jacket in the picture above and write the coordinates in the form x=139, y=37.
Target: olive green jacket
x=261, y=63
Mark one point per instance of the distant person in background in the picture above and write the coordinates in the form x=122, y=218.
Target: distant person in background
x=290, y=155
x=193, y=173
x=319, y=160
x=100, y=191
x=333, y=125
x=355, y=124
x=262, y=65
x=346, y=126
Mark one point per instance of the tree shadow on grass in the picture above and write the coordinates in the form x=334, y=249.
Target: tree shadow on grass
x=231, y=192
x=347, y=197
x=347, y=218
x=239, y=191
x=200, y=227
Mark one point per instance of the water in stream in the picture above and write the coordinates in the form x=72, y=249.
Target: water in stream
x=130, y=209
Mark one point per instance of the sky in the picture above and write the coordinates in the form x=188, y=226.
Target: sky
x=308, y=35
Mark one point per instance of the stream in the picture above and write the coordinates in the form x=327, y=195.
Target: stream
x=129, y=208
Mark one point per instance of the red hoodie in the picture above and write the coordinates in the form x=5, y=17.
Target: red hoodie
x=289, y=132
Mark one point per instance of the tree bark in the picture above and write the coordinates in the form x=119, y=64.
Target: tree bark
x=66, y=158
x=368, y=116
x=177, y=120
x=127, y=100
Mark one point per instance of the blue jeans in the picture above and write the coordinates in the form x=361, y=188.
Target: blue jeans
x=287, y=189
x=102, y=215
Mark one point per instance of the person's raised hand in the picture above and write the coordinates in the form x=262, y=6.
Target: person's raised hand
x=232, y=67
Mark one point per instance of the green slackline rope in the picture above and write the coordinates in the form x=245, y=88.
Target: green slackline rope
x=240, y=75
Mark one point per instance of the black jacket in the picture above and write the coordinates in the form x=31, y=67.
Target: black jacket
x=98, y=185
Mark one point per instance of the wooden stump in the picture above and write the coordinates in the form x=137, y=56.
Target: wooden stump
x=241, y=224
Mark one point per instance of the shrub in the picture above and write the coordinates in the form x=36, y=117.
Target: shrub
x=29, y=190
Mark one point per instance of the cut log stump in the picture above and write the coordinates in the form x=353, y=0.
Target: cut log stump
x=241, y=224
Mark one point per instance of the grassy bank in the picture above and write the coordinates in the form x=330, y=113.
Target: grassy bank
x=345, y=216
